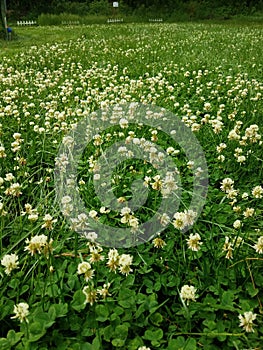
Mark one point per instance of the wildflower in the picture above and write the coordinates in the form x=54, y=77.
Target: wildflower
x=246, y=321
x=227, y=185
x=97, y=140
x=10, y=262
x=85, y=268
x=2, y=152
x=143, y=348
x=228, y=247
x=237, y=224
x=179, y=221
x=259, y=245
x=245, y=195
x=193, y=242
x=9, y=177
x=104, y=292
x=91, y=295
x=113, y=259
x=158, y=242
x=248, y=212
x=207, y=106
x=241, y=159
x=93, y=214
x=169, y=184
x=14, y=190
x=48, y=221
x=237, y=209
x=233, y=135
x=165, y=219
x=221, y=147
x=257, y=192
x=232, y=194
x=121, y=200
x=95, y=254
x=157, y=184
x=21, y=312
x=91, y=236
x=188, y=293
x=33, y=217
x=103, y=210
x=133, y=222
x=125, y=261
x=190, y=216
x=123, y=123
x=39, y=244
x=190, y=164
x=221, y=158
x=80, y=223
x=125, y=213
x=2, y=211
x=237, y=242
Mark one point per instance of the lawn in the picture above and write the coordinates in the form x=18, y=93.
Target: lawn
x=131, y=187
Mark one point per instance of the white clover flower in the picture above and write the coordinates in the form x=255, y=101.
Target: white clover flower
x=14, y=190
x=9, y=177
x=188, y=293
x=241, y=159
x=179, y=220
x=2, y=152
x=245, y=195
x=143, y=348
x=133, y=222
x=123, y=123
x=103, y=210
x=66, y=199
x=221, y=147
x=93, y=214
x=227, y=184
x=85, y=268
x=237, y=224
x=2, y=211
x=91, y=236
x=90, y=294
x=125, y=260
x=249, y=212
x=221, y=158
x=259, y=245
x=158, y=242
x=257, y=192
x=48, y=222
x=194, y=242
x=10, y=262
x=165, y=219
x=104, y=292
x=228, y=247
x=21, y=312
x=246, y=321
x=38, y=244
x=207, y=106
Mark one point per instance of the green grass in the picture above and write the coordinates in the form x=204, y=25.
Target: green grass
x=207, y=74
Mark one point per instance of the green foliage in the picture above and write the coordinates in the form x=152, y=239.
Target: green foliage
x=48, y=79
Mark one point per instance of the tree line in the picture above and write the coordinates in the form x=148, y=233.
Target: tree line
x=18, y=9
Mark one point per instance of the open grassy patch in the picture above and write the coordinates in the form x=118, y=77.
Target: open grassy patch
x=197, y=284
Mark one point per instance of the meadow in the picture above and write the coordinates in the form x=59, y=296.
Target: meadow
x=196, y=283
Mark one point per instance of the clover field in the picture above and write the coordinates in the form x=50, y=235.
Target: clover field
x=194, y=288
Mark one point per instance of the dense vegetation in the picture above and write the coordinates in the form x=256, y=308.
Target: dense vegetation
x=168, y=8
x=191, y=287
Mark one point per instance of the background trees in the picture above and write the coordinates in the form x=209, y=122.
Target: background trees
x=18, y=9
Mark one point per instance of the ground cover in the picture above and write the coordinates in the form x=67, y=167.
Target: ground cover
x=197, y=285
